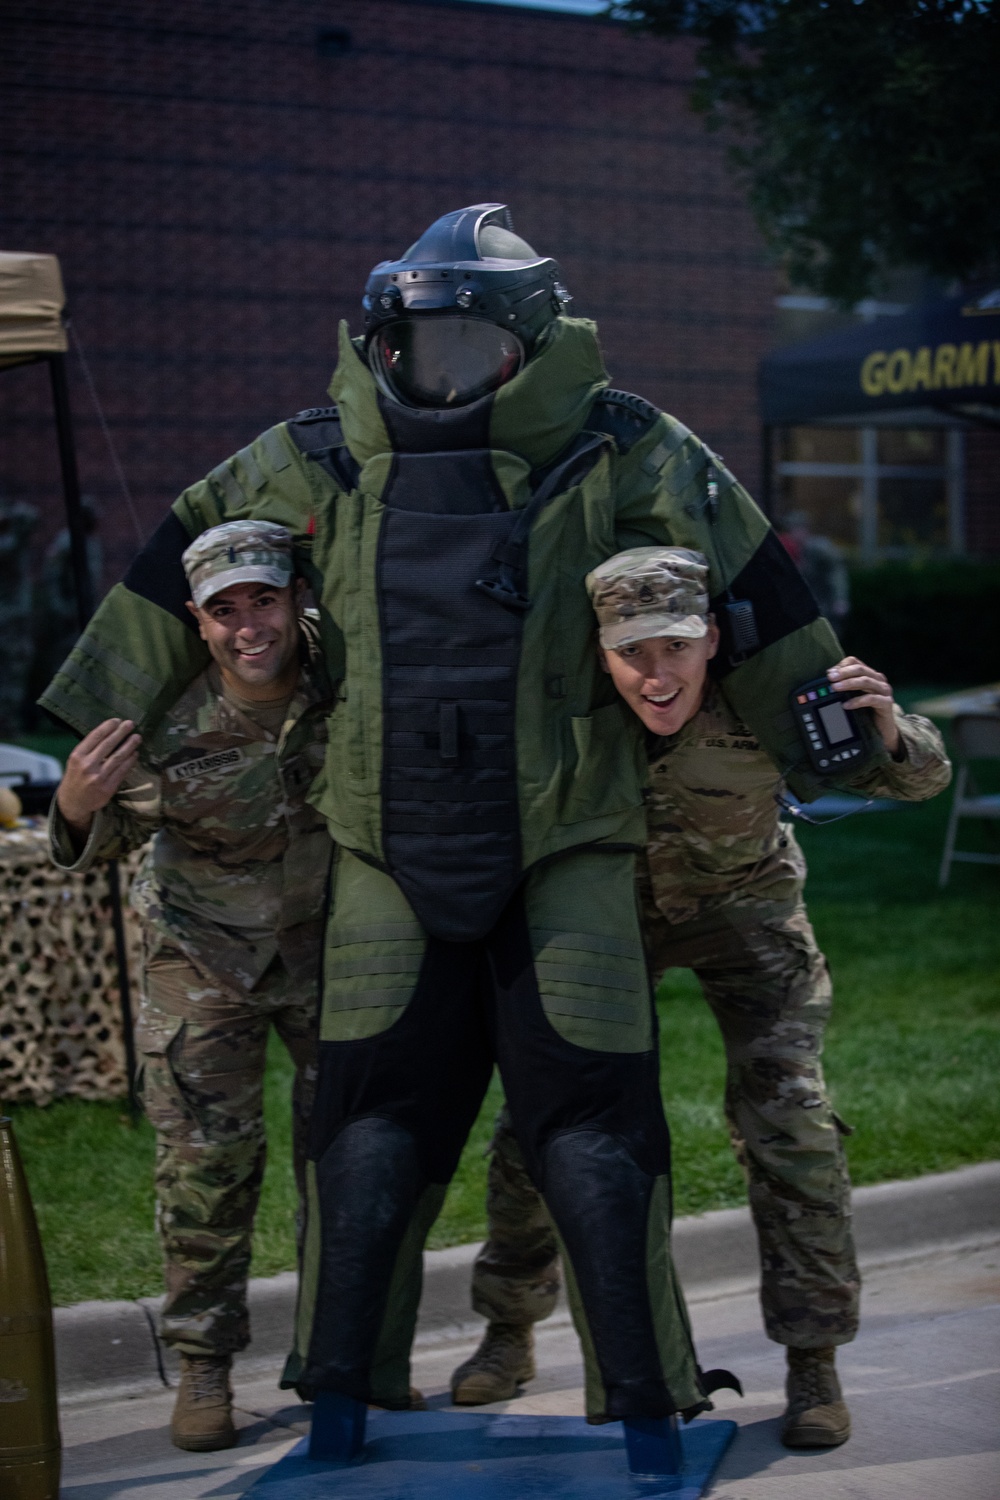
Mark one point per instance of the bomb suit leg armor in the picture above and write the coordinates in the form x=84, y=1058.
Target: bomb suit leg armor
x=557, y=992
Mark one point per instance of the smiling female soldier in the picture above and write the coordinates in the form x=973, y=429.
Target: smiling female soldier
x=721, y=893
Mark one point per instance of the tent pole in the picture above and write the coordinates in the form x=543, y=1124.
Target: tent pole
x=84, y=609
x=71, y=491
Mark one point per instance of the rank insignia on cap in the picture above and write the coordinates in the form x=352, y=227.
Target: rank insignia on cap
x=650, y=591
x=238, y=552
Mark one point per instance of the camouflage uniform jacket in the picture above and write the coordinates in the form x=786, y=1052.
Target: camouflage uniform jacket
x=715, y=834
x=238, y=864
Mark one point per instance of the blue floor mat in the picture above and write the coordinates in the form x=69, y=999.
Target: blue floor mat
x=444, y=1455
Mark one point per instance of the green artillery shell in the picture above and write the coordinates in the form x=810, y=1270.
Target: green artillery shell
x=29, y=1423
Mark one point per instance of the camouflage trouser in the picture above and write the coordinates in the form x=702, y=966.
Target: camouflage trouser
x=202, y=1046
x=515, y=1278
x=769, y=988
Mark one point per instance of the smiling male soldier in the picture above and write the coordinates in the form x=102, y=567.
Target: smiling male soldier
x=231, y=896
x=721, y=893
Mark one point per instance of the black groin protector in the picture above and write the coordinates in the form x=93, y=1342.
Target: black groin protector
x=369, y=1182
x=450, y=653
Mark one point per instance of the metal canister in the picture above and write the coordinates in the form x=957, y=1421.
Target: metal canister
x=30, y=1449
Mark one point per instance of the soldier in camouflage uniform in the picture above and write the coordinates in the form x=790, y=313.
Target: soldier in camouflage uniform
x=17, y=522
x=231, y=895
x=721, y=892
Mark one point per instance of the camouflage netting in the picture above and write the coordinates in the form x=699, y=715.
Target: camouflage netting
x=60, y=1022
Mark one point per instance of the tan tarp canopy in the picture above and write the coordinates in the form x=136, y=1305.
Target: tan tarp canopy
x=31, y=304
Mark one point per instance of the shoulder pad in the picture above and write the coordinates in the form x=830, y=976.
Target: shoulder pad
x=317, y=433
x=316, y=427
x=623, y=416
x=315, y=414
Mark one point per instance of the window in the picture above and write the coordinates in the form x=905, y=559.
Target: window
x=879, y=492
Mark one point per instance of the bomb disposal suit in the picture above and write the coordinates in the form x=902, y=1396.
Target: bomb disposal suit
x=482, y=782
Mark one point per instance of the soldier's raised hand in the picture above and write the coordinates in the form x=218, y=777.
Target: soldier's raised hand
x=95, y=770
x=852, y=676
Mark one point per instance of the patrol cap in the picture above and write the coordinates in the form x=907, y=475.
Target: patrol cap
x=650, y=591
x=238, y=552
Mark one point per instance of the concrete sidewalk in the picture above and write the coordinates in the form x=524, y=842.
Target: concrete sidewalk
x=109, y=1350
x=922, y=1381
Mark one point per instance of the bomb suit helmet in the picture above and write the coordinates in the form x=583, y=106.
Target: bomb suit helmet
x=457, y=316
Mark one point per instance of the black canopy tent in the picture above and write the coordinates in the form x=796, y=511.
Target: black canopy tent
x=32, y=330
x=936, y=365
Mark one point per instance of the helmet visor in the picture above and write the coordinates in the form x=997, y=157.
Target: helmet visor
x=443, y=362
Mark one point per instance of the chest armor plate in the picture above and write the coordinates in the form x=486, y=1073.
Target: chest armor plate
x=451, y=826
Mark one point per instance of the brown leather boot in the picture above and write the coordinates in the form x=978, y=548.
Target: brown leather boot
x=816, y=1416
x=504, y=1359
x=203, y=1413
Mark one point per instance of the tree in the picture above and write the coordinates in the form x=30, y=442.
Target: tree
x=868, y=130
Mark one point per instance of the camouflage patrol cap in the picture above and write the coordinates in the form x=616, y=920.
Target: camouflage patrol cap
x=238, y=552
x=650, y=591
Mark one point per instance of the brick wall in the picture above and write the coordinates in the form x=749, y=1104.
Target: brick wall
x=217, y=190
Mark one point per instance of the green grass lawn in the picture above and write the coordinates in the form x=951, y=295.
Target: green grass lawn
x=912, y=1058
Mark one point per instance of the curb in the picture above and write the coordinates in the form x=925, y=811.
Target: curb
x=109, y=1350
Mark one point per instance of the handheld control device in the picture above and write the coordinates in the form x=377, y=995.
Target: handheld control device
x=837, y=739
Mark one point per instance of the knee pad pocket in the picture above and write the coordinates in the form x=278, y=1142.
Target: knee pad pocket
x=369, y=976
x=589, y=960
x=372, y=955
x=594, y=989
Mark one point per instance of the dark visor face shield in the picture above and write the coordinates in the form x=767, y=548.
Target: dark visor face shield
x=443, y=362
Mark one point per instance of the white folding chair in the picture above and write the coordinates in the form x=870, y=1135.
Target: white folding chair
x=977, y=737
x=20, y=765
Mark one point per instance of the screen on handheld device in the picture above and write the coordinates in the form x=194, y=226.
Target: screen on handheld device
x=835, y=723
x=835, y=736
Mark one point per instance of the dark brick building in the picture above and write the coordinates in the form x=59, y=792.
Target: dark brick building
x=217, y=179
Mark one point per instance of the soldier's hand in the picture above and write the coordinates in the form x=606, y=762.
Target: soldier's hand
x=852, y=676
x=95, y=771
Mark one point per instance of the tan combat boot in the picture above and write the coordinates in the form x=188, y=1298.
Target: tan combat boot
x=504, y=1359
x=816, y=1416
x=203, y=1413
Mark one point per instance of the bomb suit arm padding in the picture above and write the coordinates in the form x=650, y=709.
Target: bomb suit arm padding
x=671, y=489
x=142, y=647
